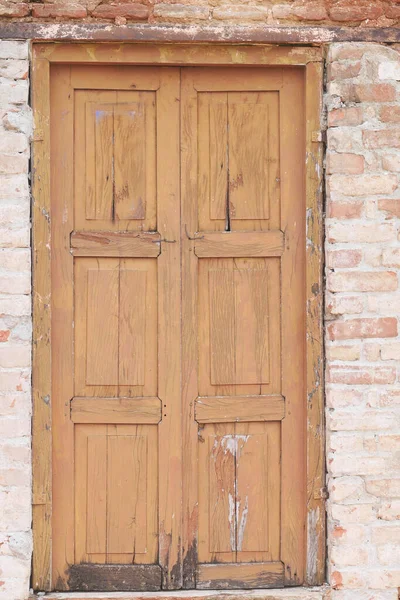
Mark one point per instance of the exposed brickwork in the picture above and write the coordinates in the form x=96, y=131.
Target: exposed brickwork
x=362, y=298
x=281, y=12
x=15, y=323
x=362, y=335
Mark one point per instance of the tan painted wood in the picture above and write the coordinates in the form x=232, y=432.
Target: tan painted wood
x=116, y=501
x=239, y=312
x=189, y=387
x=132, y=327
x=102, y=326
x=248, y=120
x=212, y=352
x=173, y=54
x=253, y=494
x=41, y=364
x=316, y=547
x=117, y=375
x=239, y=245
x=106, y=126
x=216, y=534
x=169, y=339
x=116, y=410
x=113, y=244
x=127, y=519
x=96, y=542
x=221, y=496
x=122, y=315
x=63, y=547
x=253, y=575
x=293, y=326
x=220, y=409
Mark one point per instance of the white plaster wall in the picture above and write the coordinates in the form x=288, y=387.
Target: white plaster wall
x=15, y=323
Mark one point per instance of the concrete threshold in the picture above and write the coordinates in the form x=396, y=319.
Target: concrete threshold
x=300, y=593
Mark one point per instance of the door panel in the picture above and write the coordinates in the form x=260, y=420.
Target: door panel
x=178, y=327
x=243, y=326
x=115, y=324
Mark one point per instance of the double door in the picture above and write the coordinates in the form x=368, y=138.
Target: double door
x=178, y=327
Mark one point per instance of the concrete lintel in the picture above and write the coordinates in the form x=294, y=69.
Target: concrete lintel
x=268, y=34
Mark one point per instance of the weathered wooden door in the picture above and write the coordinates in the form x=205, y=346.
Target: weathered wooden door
x=177, y=327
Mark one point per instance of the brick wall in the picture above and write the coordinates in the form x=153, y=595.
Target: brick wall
x=362, y=304
x=337, y=12
x=15, y=323
x=362, y=308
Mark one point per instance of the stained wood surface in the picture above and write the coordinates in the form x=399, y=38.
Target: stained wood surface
x=116, y=494
x=94, y=243
x=121, y=315
x=116, y=410
x=316, y=526
x=62, y=332
x=239, y=245
x=239, y=408
x=253, y=575
x=293, y=327
x=119, y=279
x=239, y=187
x=41, y=363
x=118, y=578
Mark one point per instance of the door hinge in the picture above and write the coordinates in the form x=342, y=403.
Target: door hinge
x=322, y=493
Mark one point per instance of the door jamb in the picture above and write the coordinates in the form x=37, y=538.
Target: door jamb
x=45, y=54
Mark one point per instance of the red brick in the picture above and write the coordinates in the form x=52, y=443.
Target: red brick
x=347, y=52
x=372, y=92
x=392, y=12
x=344, y=258
x=345, y=210
x=363, y=281
x=345, y=116
x=136, y=12
x=354, y=375
x=362, y=185
x=11, y=9
x=390, y=114
x=350, y=164
x=338, y=70
x=349, y=10
x=309, y=11
x=363, y=328
x=46, y=11
x=382, y=138
x=390, y=206
x=4, y=335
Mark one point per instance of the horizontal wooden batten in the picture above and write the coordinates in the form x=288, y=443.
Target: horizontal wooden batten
x=116, y=410
x=239, y=244
x=240, y=575
x=114, y=578
x=230, y=409
x=115, y=244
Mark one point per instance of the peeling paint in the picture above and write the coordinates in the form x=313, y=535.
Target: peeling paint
x=230, y=443
x=313, y=517
x=232, y=522
x=242, y=522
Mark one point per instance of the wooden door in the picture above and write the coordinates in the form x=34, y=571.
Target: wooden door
x=243, y=326
x=178, y=334
x=115, y=327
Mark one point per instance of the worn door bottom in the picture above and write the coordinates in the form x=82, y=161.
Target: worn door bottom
x=300, y=593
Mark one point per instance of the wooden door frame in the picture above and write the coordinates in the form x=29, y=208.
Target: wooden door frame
x=43, y=56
